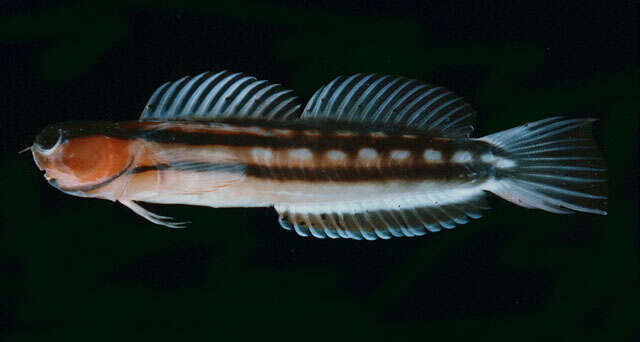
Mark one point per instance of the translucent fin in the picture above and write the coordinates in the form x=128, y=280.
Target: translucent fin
x=356, y=221
x=155, y=218
x=213, y=96
x=191, y=170
x=552, y=165
x=392, y=101
x=192, y=178
x=199, y=166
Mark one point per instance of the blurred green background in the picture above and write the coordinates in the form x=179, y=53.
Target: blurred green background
x=84, y=268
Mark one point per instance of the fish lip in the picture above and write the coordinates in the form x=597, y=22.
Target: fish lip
x=53, y=182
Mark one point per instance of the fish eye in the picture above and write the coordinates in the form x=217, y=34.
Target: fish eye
x=49, y=137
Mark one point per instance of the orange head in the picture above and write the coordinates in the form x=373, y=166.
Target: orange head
x=81, y=158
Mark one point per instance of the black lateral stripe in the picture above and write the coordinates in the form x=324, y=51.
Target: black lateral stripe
x=438, y=173
x=336, y=174
x=328, y=137
x=321, y=143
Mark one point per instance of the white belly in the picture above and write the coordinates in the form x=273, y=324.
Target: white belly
x=254, y=192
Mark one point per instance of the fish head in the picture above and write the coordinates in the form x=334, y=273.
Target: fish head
x=81, y=158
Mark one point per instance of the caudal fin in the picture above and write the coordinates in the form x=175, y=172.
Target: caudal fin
x=553, y=165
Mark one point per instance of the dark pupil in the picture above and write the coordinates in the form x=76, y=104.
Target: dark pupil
x=48, y=137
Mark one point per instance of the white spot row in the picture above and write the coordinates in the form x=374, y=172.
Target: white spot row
x=429, y=155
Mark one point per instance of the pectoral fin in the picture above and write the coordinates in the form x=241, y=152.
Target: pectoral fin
x=192, y=170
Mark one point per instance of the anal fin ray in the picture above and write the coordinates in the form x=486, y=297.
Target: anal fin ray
x=412, y=217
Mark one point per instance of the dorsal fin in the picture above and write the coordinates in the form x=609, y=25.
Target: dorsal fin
x=210, y=96
x=392, y=101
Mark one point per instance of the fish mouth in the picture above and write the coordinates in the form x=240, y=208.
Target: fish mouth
x=53, y=182
x=69, y=191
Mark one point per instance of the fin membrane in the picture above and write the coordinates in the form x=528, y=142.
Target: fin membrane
x=361, y=223
x=556, y=167
x=191, y=170
x=387, y=100
x=223, y=95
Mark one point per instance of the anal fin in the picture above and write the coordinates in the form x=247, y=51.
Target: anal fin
x=413, y=216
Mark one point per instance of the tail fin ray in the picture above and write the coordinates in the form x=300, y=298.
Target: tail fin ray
x=556, y=167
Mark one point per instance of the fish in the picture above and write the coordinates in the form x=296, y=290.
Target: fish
x=369, y=156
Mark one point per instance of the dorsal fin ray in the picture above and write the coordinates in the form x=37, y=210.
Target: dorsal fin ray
x=213, y=96
x=387, y=100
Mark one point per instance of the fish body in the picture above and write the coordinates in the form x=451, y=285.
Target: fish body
x=369, y=157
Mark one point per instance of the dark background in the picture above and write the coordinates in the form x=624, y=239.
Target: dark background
x=85, y=268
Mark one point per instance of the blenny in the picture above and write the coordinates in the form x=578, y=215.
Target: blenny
x=369, y=156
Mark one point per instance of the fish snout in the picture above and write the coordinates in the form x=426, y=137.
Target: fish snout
x=39, y=159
